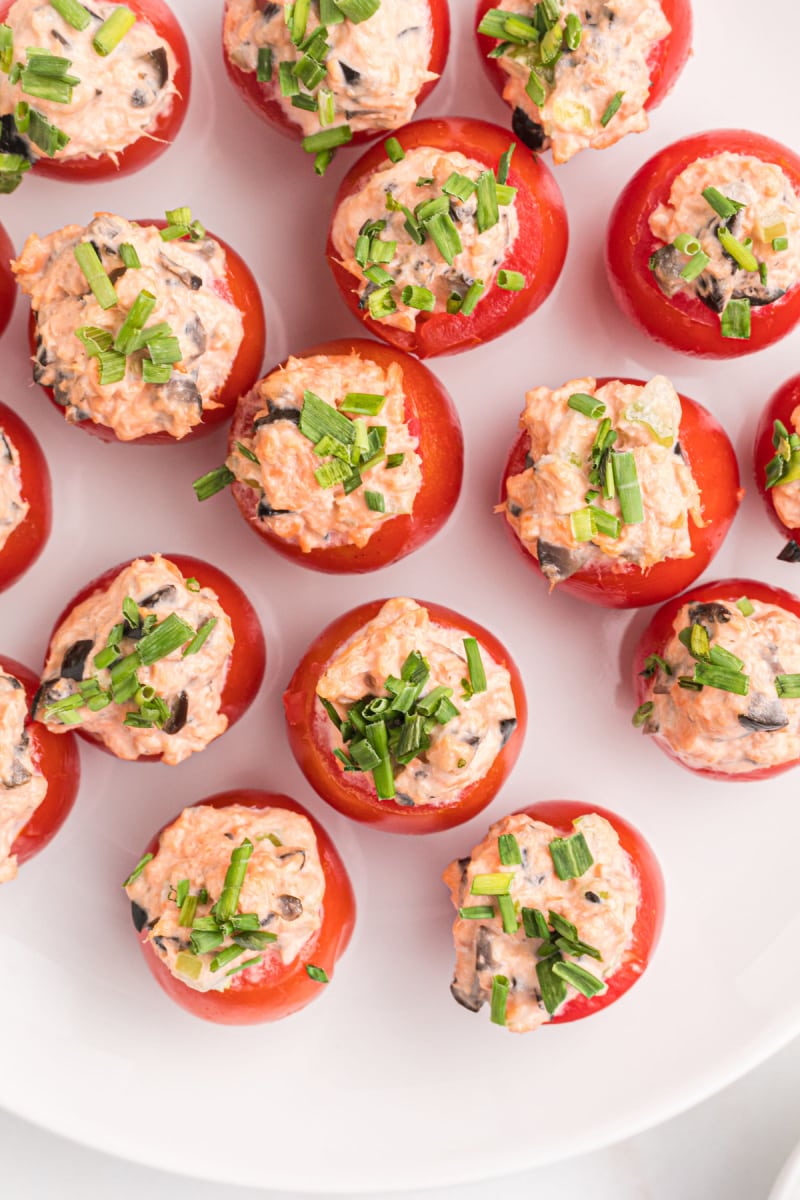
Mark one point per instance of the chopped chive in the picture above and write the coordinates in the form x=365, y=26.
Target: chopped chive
x=571, y=856
x=134, y=322
x=419, y=298
x=626, y=482
x=287, y=80
x=477, y=672
x=504, y=165
x=535, y=89
x=380, y=251
x=128, y=254
x=228, y=955
x=167, y=637
x=214, y=481
x=505, y=194
x=381, y=303
x=788, y=686
x=534, y=923
x=590, y=406
x=687, y=244
x=500, y=986
x=553, y=989
x=723, y=206
x=366, y=403
x=330, y=13
x=225, y=907
x=6, y=48
x=264, y=65
x=725, y=680
x=509, y=851
x=12, y=168
x=496, y=884
x=250, y=962
x=327, y=139
x=376, y=274
x=745, y=607
x=200, y=638
x=488, y=213
x=359, y=10
x=470, y=301
x=113, y=30
x=318, y=974
x=695, y=266
x=111, y=366
x=155, y=374
x=574, y=31
x=737, y=251
x=612, y=109
x=73, y=13
x=582, y=980
x=459, y=186
x=508, y=914
x=94, y=272
x=780, y=243
x=394, y=460
x=445, y=236
x=430, y=208
x=735, y=320
x=331, y=473
x=308, y=103
x=375, y=501
x=318, y=419
x=165, y=351
x=394, y=150
x=652, y=664
x=510, y=281
x=642, y=713
x=55, y=89
x=95, y=339
x=477, y=912
x=137, y=870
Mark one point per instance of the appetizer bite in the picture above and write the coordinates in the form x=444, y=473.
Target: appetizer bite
x=618, y=491
x=153, y=660
x=243, y=907
x=703, y=245
x=717, y=676
x=559, y=909
x=39, y=773
x=777, y=463
x=142, y=331
x=25, y=502
x=335, y=73
x=581, y=74
x=8, y=284
x=344, y=458
x=406, y=716
x=443, y=238
x=88, y=93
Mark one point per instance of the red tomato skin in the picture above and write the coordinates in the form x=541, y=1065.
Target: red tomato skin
x=261, y=97
x=666, y=61
x=164, y=129
x=249, y=657
x=242, y=290
x=354, y=794
x=780, y=407
x=656, y=635
x=712, y=459
x=431, y=417
x=57, y=758
x=8, y=284
x=289, y=988
x=684, y=323
x=28, y=540
x=538, y=253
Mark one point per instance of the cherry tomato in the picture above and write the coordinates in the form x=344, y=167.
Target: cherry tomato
x=353, y=793
x=431, y=418
x=683, y=322
x=660, y=632
x=538, y=252
x=708, y=452
x=666, y=59
x=277, y=990
x=780, y=408
x=249, y=656
x=241, y=290
x=262, y=98
x=58, y=760
x=27, y=541
x=159, y=135
x=8, y=284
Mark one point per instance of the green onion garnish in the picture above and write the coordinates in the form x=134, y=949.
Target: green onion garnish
x=510, y=281
x=365, y=403
x=723, y=206
x=394, y=460
x=612, y=108
x=327, y=139
x=735, y=320
x=725, y=680
x=214, y=481
x=474, y=293
x=477, y=912
x=509, y=851
x=318, y=974
x=781, y=243
x=500, y=986
x=553, y=989
x=394, y=150
x=574, y=31
x=200, y=638
x=6, y=48
x=129, y=256
x=419, y=298
x=496, y=884
x=583, y=981
x=250, y=962
x=642, y=713
x=12, y=168
x=170, y=635
x=113, y=30
x=73, y=13
x=488, y=213
x=626, y=482
x=534, y=923
x=375, y=501
x=459, y=186
x=738, y=252
x=475, y=667
x=788, y=686
x=504, y=165
x=225, y=907
x=102, y=288
x=134, y=322
x=445, y=236
x=111, y=367
x=508, y=914
x=590, y=406
x=695, y=266
x=571, y=856
x=535, y=89
x=745, y=607
x=264, y=64
x=137, y=870
x=652, y=664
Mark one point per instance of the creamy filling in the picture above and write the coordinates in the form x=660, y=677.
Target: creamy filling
x=786, y=496
x=415, y=180
x=719, y=730
x=120, y=96
x=601, y=904
x=13, y=508
x=189, y=282
x=548, y=502
x=22, y=785
x=769, y=216
x=373, y=70
x=461, y=751
x=189, y=685
x=283, y=887
x=292, y=503
x=577, y=89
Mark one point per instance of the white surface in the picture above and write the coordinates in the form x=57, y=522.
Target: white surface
x=380, y=1075
x=787, y=1185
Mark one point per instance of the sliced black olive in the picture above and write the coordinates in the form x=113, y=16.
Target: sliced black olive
x=289, y=907
x=529, y=132
x=514, y=509
x=12, y=142
x=758, y=295
x=269, y=10
x=158, y=58
x=138, y=916
x=18, y=776
x=484, y=959
x=59, y=38
x=559, y=562
x=790, y=552
x=266, y=510
x=667, y=264
x=529, y=463
x=162, y=945
x=288, y=854
x=197, y=335
x=13, y=683
x=138, y=98
x=187, y=277
x=403, y=799
x=165, y=593
x=592, y=897
x=472, y=999
x=278, y=414
x=5, y=449
x=363, y=299
x=410, y=29
x=180, y=712
x=765, y=714
x=184, y=389
x=713, y=612
x=350, y=73
x=507, y=727
x=710, y=291
x=473, y=740
x=117, y=273
x=74, y=661
x=96, y=249
x=39, y=695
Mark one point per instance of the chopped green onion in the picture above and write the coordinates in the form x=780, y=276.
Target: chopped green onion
x=780, y=243
x=214, y=481
x=695, y=266
x=474, y=293
x=505, y=194
x=553, y=989
x=165, y=351
x=134, y=322
x=250, y=962
x=488, y=213
x=225, y=907
x=89, y=262
x=111, y=365
x=788, y=686
x=137, y=870
x=113, y=30
x=167, y=637
x=508, y=914
x=477, y=673
x=583, y=981
x=574, y=31
x=359, y=10
x=510, y=281
x=735, y=320
x=745, y=607
x=264, y=65
x=737, y=251
x=366, y=403
x=590, y=406
x=129, y=256
x=73, y=13
x=534, y=923
x=509, y=851
x=612, y=109
x=394, y=460
x=394, y=150
x=200, y=638
x=571, y=856
x=327, y=139
x=642, y=713
x=155, y=374
x=375, y=501
x=626, y=482
x=500, y=986
x=6, y=48
x=380, y=251
x=687, y=244
x=710, y=675
x=318, y=419
x=535, y=89
x=459, y=186
x=496, y=884
x=419, y=298
x=504, y=165
x=12, y=168
x=723, y=206
x=477, y=912
x=318, y=974
x=95, y=339
x=445, y=236
x=652, y=663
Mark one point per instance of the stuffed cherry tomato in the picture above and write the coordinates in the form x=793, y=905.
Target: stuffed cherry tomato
x=25, y=503
x=559, y=910
x=116, y=101
x=408, y=717
x=39, y=773
x=777, y=463
x=397, y=483
x=142, y=332
x=153, y=660
x=717, y=677
x=353, y=74
x=446, y=239
x=618, y=491
x=8, y=285
x=703, y=245
x=243, y=907
x=584, y=74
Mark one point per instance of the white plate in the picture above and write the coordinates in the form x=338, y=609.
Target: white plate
x=385, y=1081
x=787, y=1185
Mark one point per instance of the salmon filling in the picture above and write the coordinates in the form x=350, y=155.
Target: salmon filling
x=120, y=95
x=600, y=904
x=373, y=70
x=565, y=507
x=786, y=496
x=294, y=504
x=22, y=785
x=170, y=706
x=737, y=731
x=454, y=754
x=277, y=911
x=566, y=105
x=187, y=279
x=13, y=508
x=417, y=179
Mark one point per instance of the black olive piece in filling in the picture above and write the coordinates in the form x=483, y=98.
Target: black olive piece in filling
x=74, y=661
x=529, y=132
